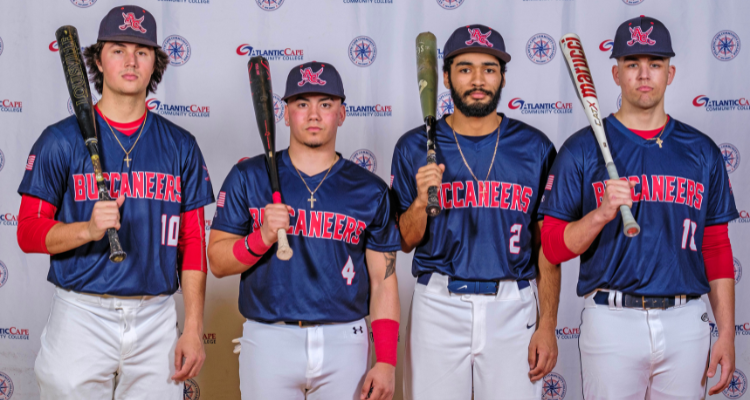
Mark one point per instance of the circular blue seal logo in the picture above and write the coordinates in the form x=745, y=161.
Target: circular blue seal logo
x=541, y=48
x=278, y=107
x=725, y=45
x=83, y=3
x=731, y=156
x=737, y=387
x=3, y=274
x=6, y=386
x=444, y=104
x=365, y=159
x=2, y=160
x=362, y=51
x=633, y=2
x=619, y=101
x=178, y=50
x=2, y=46
x=269, y=5
x=737, y=271
x=450, y=4
x=191, y=391
x=70, y=103
x=553, y=387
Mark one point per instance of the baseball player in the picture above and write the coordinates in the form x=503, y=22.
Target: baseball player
x=305, y=335
x=644, y=329
x=473, y=317
x=112, y=329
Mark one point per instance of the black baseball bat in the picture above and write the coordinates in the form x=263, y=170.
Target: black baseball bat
x=427, y=80
x=260, y=87
x=80, y=97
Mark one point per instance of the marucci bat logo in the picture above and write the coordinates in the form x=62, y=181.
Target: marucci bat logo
x=583, y=78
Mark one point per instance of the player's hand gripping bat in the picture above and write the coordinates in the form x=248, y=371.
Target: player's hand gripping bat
x=260, y=86
x=80, y=97
x=584, y=83
x=427, y=76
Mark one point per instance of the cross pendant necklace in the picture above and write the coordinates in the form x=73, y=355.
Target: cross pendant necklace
x=312, y=199
x=659, y=142
x=127, y=159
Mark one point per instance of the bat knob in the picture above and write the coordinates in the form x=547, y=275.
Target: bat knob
x=117, y=256
x=284, y=253
x=433, y=210
x=631, y=229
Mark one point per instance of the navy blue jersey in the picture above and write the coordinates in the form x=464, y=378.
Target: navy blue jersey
x=167, y=176
x=484, y=231
x=326, y=280
x=680, y=189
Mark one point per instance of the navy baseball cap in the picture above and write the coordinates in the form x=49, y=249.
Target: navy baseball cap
x=476, y=39
x=314, y=77
x=129, y=24
x=644, y=36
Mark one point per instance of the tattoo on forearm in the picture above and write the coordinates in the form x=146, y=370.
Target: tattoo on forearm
x=390, y=263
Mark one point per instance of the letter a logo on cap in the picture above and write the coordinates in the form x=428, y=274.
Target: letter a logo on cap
x=640, y=37
x=130, y=21
x=310, y=77
x=478, y=37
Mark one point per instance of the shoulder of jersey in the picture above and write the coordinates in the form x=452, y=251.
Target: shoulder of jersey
x=177, y=132
x=687, y=129
x=362, y=174
x=414, y=137
x=531, y=133
x=66, y=129
x=249, y=163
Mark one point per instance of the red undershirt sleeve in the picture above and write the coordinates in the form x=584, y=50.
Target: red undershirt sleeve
x=553, y=241
x=717, y=252
x=191, y=245
x=35, y=219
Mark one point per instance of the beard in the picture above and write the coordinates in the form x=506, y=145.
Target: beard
x=312, y=145
x=477, y=109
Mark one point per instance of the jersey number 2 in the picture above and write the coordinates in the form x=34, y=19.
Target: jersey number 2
x=348, y=271
x=688, y=227
x=170, y=231
x=513, y=243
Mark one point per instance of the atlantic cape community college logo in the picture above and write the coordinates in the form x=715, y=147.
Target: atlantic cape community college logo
x=725, y=45
x=278, y=107
x=191, y=391
x=365, y=159
x=743, y=219
x=741, y=104
x=450, y=4
x=567, y=333
x=362, y=51
x=178, y=110
x=6, y=386
x=606, y=45
x=737, y=271
x=269, y=5
x=558, y=107
x=377, y=110
x=83, y=3
x=7, y=105
x=737, y=387
x=553, y=387
x=444, y=104
x=731, y=156
x=178, y=50
x=3, y=274
x=541, y=48
x=285, y=54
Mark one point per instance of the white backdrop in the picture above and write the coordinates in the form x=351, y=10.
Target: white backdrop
x=371, y=42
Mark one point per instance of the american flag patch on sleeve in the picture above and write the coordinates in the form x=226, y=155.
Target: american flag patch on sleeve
x=30, y=162
x=221, y=199
x=391, y=180
x=550, y=180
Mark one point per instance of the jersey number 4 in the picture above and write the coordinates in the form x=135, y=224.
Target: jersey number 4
x=688, y=227
x=170, y=230
x=348, y=271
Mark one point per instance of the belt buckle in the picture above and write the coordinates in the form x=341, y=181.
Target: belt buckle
x=300, y=323
x=643, y=302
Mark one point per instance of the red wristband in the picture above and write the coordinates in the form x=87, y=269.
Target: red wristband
x=35, y=219
x=385, y=338
x=717, y=253
x=250, y=249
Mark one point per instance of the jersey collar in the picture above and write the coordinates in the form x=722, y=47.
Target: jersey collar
x=619, y=127
x=315, y=179
x=104, y=129
x=446, y=132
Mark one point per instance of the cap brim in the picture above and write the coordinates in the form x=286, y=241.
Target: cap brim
x=128, y=39
x=313, y=92
x=487, y=50
x=647, y=53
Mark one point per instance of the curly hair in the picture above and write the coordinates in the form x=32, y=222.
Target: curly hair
x=93, y=53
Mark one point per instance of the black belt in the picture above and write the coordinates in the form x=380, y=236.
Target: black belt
x=642, y=302
x=460, y=286
x=303, y=324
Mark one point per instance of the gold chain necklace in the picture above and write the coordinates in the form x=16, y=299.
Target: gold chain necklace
x=658, y=138
x=482, y=186
x=312, y=192
x=127, y=158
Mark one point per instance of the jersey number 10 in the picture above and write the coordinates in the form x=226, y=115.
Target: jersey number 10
x=170, y=232
x=688, y=227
